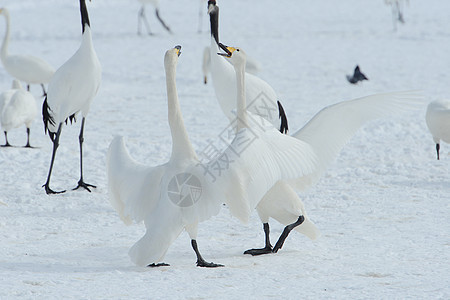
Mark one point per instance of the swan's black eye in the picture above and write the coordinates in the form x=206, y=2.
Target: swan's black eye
x=237, y=50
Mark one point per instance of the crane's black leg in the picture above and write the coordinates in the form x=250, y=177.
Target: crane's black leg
x=161, y=20
x=28, y=87
x=438, y=147
x=200, y=261
x=6, y=139
x=286, y=232
x=81, y=183
x=55, y=140
x=267, y=249
x=143, y=18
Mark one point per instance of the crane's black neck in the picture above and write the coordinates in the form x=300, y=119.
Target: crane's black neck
x=84, y=14
x=214, y=20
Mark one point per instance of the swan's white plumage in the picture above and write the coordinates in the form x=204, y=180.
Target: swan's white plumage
x=331, y=128
x=284, y=205
x=5, y=96
x=21, y=109
x=272, y=156
x=75, y=83
x=438, y=120
x=27, y=68
x=141, y=193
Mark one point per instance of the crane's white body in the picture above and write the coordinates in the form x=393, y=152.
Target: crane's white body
x=71, y=91
x=142, y=193
x=261, y=97
x=27, y=68
x=252, y=66
x=75, y=83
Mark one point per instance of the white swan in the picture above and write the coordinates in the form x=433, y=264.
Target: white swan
x=252, y=66
x=438, y=122
x=183, y=192
x=261, y=98
x=70, y=91
x=17, y=107
x=326, y=133
x=143, y=18
x=27, y=68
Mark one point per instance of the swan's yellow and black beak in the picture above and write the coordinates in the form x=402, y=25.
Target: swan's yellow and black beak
x=228, y=50
x=178, y=49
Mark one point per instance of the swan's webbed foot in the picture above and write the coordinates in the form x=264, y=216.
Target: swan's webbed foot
x=260, y=251
x=84, y=185
x=200, y=261
x=153, y=265
x=203, y=263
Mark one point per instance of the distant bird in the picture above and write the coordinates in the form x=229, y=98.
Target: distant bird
x=27, y=68
x=143, y=18
x=181, y=193
x=262, y=99
x=357, y=76
x=252, y=66
x=200, y=16
x=438, y=122
x=70, y=91
x=397, y=7
x=17, y=107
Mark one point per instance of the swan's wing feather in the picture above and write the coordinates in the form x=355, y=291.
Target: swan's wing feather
x=255, y=160
x=133, y=187
x=331, y=128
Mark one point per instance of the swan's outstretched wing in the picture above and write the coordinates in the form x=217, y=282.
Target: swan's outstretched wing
x=255, y=160
x=331, y=128
x=133, y=187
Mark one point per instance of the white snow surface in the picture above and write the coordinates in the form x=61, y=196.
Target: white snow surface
x=382, y=207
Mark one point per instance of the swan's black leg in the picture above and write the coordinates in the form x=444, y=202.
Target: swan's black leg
x=81, y=183
x=28, y=139
x=267, y=249
x=438, y=147
x=55, y=140
x=6, y=139
x=286, y=232
x=200, y=261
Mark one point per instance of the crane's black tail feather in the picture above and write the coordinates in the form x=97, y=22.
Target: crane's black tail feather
x=47, y=117
x=284, y=128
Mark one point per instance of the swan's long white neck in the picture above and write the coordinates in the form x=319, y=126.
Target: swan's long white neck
x=181, y=145
x=241, y=100
x=4, y=50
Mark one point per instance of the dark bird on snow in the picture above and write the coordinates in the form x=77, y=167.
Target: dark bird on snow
x=357, y=76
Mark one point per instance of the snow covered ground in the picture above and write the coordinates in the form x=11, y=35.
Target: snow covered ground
x=382, y=207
